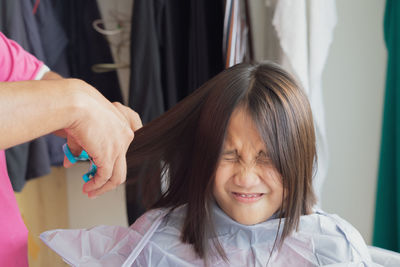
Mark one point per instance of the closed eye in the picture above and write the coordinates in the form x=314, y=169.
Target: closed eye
x=263, y=158
x=232, y=159
x=230, y=155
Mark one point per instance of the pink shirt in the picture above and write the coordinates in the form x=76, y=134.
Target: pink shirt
x=15, y=65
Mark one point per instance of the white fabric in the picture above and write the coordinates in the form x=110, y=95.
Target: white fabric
x=43, y=70
x=385, y=257
x=154, y=240
x=323, y=19
x=305, y=45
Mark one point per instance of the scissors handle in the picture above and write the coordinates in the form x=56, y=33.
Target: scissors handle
x=84, y=156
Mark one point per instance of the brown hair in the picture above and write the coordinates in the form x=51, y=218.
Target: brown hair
x=185, y=144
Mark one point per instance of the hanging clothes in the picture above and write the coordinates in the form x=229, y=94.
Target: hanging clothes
x=387, y=210
x=205, y=42
x=305, y=45
x=53, y=37
x=237, y=44
x=86, y=46
x=54, y=41
x=176, y=46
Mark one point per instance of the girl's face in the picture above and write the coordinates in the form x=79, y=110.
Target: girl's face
x=247, y=186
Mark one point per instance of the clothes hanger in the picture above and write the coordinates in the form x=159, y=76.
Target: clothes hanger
x=117, y=33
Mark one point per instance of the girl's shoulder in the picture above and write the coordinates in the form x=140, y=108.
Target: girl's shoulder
x=333, y=238
x=321, y=239
x=163, y=217
x=144, y=222
x=160, y=239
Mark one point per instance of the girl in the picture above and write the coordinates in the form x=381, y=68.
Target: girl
x=227, y=175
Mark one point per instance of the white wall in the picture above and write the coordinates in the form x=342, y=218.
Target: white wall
x=107, y=209
x=353, y=82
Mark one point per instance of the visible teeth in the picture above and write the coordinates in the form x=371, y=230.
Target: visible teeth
x=249, y=195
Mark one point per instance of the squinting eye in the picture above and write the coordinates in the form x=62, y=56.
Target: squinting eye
x=231, y=159
x=263, y=160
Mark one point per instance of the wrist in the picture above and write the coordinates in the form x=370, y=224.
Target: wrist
x=75, y=102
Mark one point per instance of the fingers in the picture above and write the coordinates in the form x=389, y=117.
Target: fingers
x=67, y=163
x=75, y=149
x=117, y=178
x=130, y=115
x=103, y=174
x=61, y=133
x=107, y=179
x=136, y=122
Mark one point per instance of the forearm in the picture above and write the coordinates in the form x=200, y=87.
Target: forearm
x=29, y=109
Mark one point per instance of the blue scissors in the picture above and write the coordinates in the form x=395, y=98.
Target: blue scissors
x=82, y=157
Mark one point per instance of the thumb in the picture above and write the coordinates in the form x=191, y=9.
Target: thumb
x=75, y=149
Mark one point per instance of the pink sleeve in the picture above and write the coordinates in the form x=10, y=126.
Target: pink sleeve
x=15, y=63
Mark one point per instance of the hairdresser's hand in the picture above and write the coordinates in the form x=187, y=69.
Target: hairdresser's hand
x=105, y=130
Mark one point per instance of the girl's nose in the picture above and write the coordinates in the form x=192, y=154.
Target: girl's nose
x=246, y=177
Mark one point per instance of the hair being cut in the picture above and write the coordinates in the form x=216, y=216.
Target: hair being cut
x=184, y=146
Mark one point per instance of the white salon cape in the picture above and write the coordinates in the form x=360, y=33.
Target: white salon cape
x=154, y=240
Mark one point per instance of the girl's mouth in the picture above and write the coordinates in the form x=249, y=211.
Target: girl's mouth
x=247, y=197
